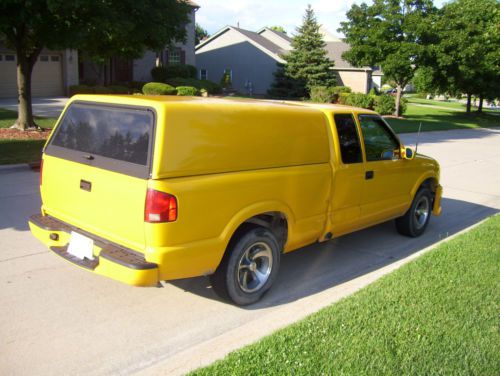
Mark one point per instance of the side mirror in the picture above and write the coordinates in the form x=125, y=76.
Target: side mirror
x=408, y=153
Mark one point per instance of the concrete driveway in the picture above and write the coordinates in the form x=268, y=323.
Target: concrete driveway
x=58, y=319
x=44, y=106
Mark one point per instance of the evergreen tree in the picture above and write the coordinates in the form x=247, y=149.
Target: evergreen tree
x=285, y=86
x=308, y=61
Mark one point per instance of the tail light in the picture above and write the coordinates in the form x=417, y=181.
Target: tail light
x=41, y=172
x=160, y=207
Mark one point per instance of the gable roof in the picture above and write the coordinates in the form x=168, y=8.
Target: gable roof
x=255, y=39
x=334, y=51
x=283, y=36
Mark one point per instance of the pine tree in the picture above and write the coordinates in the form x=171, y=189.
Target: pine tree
x=285, y=86
x=308, y=60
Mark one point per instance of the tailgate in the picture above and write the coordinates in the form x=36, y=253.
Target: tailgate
x=95, y=171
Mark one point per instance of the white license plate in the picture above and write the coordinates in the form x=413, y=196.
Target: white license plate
x=81, y=246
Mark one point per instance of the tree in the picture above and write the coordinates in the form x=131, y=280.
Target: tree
x=103, y=29
x=285, y=86
x=200, y=33
x=279, y=29
x=307, y=60
x=392, y=34
x=466, y=58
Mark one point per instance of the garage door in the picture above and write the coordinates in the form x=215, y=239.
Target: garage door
x=46, y=79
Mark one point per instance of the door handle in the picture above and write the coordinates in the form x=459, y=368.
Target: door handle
x=369, y=175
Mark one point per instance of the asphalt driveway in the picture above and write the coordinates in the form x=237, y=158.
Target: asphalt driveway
x=58, y=319
x=44, y=106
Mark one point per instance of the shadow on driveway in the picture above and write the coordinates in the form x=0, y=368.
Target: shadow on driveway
x=318, y=267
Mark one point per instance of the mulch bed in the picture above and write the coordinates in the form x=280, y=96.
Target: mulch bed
x=14, y=134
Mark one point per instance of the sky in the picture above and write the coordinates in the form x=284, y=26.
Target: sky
x=255, y=14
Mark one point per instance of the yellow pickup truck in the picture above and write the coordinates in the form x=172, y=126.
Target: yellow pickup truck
x=150, y=188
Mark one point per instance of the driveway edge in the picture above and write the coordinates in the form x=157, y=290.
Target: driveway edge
x=207, y=352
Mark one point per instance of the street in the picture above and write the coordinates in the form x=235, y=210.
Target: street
x=58, y=319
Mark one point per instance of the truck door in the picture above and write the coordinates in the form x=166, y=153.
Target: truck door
x=348, y=177
x=388, y=180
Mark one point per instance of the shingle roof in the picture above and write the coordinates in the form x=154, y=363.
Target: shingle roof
x=259, y=39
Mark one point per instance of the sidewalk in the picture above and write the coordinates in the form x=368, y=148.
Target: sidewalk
x=43, y=106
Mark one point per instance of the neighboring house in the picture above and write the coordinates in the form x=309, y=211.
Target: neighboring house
x=53, y=73
x=125, y=70
x=251, y=57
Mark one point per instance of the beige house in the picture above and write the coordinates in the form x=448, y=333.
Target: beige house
x=251, y=57
x=56, y=71
x=53, y=73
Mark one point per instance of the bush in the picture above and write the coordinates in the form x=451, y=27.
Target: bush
x=360, y=100
x=338, y=90
x=342, y=98
x=80, y=89
x=135, y=85
x=321, y=94
x=101, y=90
x=118, y=89
x=385, y=104
x=225, y=80
x=187, y=91
x=158, y=88
x=208, y=86
x=164, y=73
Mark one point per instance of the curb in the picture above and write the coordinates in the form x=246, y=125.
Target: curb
x=34, y=166
x=207, y=352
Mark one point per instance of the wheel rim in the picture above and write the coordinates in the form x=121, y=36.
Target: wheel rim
x=254, y=267
x=421, y=212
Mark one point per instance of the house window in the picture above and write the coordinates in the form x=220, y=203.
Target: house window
x=203, y=74
x=10, y=57
x=44, y=58
x=174, y=56
x=54, y=58
x=230, y=72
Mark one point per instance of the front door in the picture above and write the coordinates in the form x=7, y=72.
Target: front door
x=387, y=186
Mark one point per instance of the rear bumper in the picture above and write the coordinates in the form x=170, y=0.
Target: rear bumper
x=436, y=208
x=110, y=260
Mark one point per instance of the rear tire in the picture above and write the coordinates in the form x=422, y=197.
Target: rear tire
x=248, y=268
x=416, y=219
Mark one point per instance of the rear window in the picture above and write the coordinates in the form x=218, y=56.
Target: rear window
x=97, y=134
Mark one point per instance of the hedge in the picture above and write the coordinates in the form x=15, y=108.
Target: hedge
x=323, y=94
x=163, y=73
x=186, y=91
x=158, y=88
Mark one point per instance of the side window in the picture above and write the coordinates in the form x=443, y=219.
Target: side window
x=379, y=140
x=350, y=148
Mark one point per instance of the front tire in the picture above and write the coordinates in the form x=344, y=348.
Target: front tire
x=249, y=267
x=416, y=219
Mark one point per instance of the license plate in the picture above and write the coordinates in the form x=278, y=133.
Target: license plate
x=81, y=246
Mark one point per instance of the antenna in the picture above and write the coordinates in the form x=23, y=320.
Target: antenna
x=418, y=137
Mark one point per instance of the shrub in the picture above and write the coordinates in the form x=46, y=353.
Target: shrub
x=342, y=98
x=101, y=90
x=338, y=90
x=186, y=90
x=209, y=86
x=403, y=105
x=118, y=89
x=159, y=74
x=373, y=92
x=321, y=94
x=225, y=80
x=385, y=104
x=136, y=85
x=80, y=89
x=360, y=100
x=158, y=88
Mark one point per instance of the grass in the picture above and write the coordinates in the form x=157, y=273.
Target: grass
x=438, y=119
x=437, y=315
x=20, y=151
x=8, y=118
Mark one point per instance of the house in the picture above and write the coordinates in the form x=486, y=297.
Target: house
x=125, y=70
x=53, y=73
x=251, y=57
x=56, y=71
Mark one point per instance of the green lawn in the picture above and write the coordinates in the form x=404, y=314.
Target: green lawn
x=437, y=119
x=437, y=315
x=451, y=104
x=21, y=151
x=8, y=118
